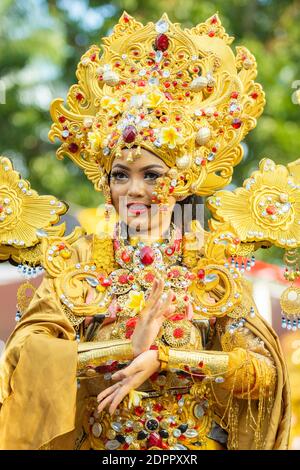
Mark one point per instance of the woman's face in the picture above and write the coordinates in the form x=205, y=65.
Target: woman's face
x=132, y=185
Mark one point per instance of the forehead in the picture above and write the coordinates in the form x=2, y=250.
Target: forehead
x=147, y=158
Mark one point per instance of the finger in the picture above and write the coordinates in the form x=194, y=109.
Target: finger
x=163, y=306
x=119, y=396
x=127, y=372
x=106, y=392
x=107, y=400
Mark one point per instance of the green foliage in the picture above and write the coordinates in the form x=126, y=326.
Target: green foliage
x=42, y=41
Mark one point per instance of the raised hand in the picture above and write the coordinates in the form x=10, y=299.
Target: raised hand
x=158, y=307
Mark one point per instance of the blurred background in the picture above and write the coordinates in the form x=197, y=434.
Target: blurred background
x=41, y=43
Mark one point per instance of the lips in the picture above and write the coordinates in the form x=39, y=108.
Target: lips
x=137, y=207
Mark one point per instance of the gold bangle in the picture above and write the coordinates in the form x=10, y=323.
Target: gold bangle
x=212, y=363
x=163, y=356
x=97, y=353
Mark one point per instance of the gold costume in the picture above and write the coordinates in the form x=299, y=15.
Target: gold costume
x=222, y=384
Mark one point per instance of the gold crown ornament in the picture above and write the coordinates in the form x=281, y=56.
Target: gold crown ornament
x=179, y=93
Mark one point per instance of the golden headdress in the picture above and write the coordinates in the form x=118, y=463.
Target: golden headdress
x=180, y=93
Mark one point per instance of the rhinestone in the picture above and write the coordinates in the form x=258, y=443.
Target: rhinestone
x=161, y=26
x=52, y=212
x=190, y=433
x=158, y=56
x=116, y=426
x=97, y=429
x=20, y=184
x=65, y=134
x=166, y=73
x=8, y=210
x=52, y=202
x=50, y=258
x=77, y=266
x=129, y=439
x=106, y=151
x=6, y=200
x=176, y=433
x=178, y=447
x=198, y=411
x=219, y=380
x=142, y=72
x=112, y=445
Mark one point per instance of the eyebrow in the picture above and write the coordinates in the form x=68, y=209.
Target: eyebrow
x=147, y=167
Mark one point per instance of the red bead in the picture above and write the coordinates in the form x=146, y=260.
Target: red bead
x=211, y=34
x=125, y=257
x=125, y=446
x=254, y=95
x=131, y=277
x=146, y=255
x=154, y=440
x=73, y=147
x=236, y=123
x=93, y=57
x=201, y=274
x=62, y=119
x=203, y=162
x=200, y=364
x=126, y=19
x=1, y=208
x=234, y=95
x=61, y=246
x=178, y=333
x=106, y=282
x=161, y=42
x=213, y=20
x=271, y=210
x=236, y=241
x=129, y=134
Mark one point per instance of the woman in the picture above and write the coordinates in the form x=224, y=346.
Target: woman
x=156, y=369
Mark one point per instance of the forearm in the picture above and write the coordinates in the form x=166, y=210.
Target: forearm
x=94, y=354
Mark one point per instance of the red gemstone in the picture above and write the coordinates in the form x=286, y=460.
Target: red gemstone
x=211, y=34
x=93, y=57
x=200, y=364
x=161, y=42
x=129, y=333
x=254, y=95
x=271, y=210
x=1, y=208
x=157, y=407
x=125, y=257
x=61, y=246
x=129, y=134
x=154, y=440
x=146, y=255
x=125, y=446
x=73, y=147
x=116, y=244
x=203, y=162
x=175, y=273
x=131, y=323
x=149, y=277
x=214, y=20
x=170, y=250
x=201, y=274
x=123, y=279
x=79, y=96
x=106, y=282
x=62, y=119
x=234, y=95
x=126, y=19
x=178, y=333
x=139, y=410
x=236, y=123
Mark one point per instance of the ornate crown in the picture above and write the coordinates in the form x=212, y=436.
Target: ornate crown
x=180, y=93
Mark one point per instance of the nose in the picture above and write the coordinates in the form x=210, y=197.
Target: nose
x=136, y=188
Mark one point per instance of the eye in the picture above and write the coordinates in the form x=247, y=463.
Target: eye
x=119, y=175
x=151, y=175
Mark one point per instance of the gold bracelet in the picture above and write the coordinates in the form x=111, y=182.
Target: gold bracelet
x=211, y=363
x=163, y=355
x=97, y=353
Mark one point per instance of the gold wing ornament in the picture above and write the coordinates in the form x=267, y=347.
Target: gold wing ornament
x=265, y=212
